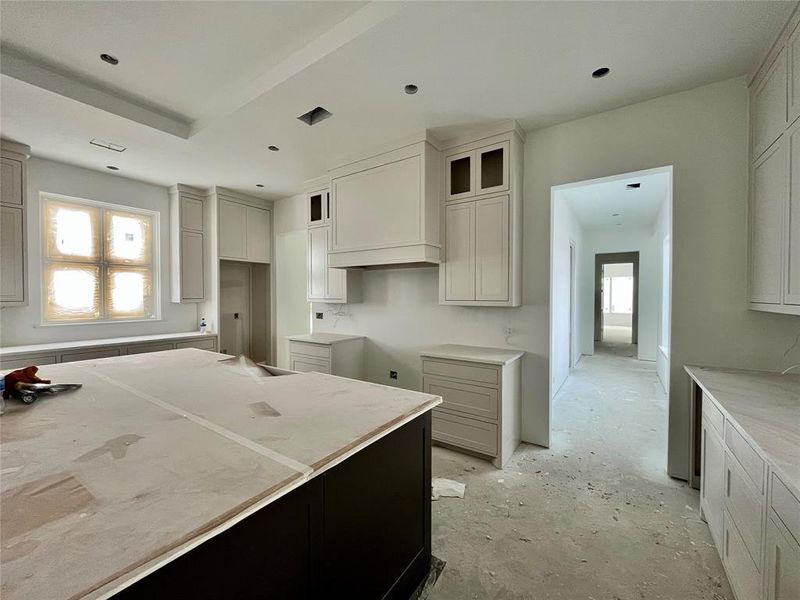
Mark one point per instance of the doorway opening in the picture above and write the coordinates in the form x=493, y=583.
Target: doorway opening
x=616, y=299
x=244, y=305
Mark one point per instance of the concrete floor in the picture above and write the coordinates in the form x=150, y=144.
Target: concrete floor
x=593, y=517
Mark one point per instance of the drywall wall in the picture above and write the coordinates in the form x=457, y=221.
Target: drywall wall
x=601, y=241
x=567, y=232
x=663, y=232
x=22, y=325
x=292, y=308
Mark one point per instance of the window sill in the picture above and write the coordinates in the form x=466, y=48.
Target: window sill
x=106, y=322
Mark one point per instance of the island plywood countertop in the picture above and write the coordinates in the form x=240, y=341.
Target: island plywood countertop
x=158, y=452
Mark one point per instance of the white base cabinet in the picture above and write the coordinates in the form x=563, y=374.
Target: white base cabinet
x=329, y=353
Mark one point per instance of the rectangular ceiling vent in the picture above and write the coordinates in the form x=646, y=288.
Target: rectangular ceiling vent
x=107, y=145
x=315, y=116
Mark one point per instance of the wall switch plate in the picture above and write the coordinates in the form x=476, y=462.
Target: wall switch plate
x=318, y=315
x=392, y=374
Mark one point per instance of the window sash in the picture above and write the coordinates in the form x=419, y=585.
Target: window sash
x=112, y=261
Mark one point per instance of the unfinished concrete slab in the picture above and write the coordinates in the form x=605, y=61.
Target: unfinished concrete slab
x=593, y=517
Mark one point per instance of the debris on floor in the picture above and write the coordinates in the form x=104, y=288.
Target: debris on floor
x=446, y=488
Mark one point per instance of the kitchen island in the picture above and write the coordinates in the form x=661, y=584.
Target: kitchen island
x=178, y=474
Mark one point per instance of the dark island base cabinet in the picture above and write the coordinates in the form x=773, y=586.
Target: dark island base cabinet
x=360, y=530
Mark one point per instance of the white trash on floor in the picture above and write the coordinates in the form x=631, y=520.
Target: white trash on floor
x=446, y=488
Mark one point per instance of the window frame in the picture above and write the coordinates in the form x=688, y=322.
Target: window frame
x=44, y=261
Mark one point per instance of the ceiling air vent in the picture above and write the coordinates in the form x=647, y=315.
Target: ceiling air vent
x=107, y=145
x=315, y=116
x=633, y=186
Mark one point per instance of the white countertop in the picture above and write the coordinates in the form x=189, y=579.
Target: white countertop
x=50, y=347
x=158, y=452
x=324, y=338
x=494, y=356
x=767, y=408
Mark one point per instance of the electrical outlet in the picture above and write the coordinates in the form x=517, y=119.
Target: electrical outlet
x=392, y=374
x=318, y=315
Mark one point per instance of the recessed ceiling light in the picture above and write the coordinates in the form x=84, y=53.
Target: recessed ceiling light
x=259, y=185
x=108, y=58
x=601, y=72
x=618, y=224
x=411, y=89
x=615, y=215
x=273, y=148
x=112, y=167
x=633, y=186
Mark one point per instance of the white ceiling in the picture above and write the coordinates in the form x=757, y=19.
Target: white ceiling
x=596, y=204
x=229, y=78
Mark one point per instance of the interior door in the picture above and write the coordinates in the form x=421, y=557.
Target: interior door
x=460, y=251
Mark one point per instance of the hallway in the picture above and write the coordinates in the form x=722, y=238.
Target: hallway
x=554, y=521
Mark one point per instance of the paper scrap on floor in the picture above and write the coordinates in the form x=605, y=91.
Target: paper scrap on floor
x=446, y=488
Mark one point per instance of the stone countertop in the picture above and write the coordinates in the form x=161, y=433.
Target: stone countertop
x=495, y=356
x=158, y=452
x=324, y=338
x=766, y=406
x=137, y=339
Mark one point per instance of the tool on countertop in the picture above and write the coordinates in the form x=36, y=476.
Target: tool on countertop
x=27, y=386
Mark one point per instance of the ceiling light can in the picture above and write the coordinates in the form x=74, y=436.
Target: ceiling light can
x=601, y=72
x=411, y=89
x=110, y=59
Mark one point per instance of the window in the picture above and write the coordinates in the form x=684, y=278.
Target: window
x=618, y=295
x=97, y=262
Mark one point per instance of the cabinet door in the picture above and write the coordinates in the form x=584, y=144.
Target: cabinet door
x=791, y=289
x=317, y=262
x=712, y=482
x=767, y=208
x=769, y=106
x=317, y=211
x=491, y=249
x=793, y=50
x=11, y=175
x=492, y=168
x=460, y=175
x=337, y=285
x=460, y=251
x=783, y=563
x=12, y=255
x=232, y=230
x=259, y=236
x=191, y=213
x=191, y=265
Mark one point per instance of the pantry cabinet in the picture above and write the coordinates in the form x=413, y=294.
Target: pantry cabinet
x=187, y=234
x=774, y=206
x=482, y=263
x=245, y=231
x=13, y=222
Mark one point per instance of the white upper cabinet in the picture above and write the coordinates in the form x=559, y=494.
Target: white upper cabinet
x=13, y=219
x=767, y=207
x=385, y=209
x=768, y=106
x=318, y=207
x=245, y=231
x=482, y=263
x=187, y=281
x=774, y=207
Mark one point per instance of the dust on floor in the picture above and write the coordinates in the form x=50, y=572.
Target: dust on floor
x=593, y=517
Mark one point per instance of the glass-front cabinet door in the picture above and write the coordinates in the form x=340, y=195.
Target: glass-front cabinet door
x=319, y=207
x=492, y=169
x=460, y=175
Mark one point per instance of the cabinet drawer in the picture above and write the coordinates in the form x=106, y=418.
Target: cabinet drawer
x=206, y=344
x=306, y=349
x=745, y=507
x=742, y=573
x=89, y=355
x=786, y=506
x=301, y=364
x=20, y=363
x=753, y=464
x=464, y=432
x=455, y=370
x=144, y=348
x=714, y=415
x=463, y=397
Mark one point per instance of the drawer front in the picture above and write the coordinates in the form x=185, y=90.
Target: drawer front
x=464, y=432
x=463, y=397
x=20, y=363
x=714, y=416
x=783, y=563
x=200, y=344
x=455, y=370
x=745, y=507
x=786, y=506
x=143, y=348
x=306, y=349
x=753, y=464
x=301, y=364
x=89, y=355
x=742, y=573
